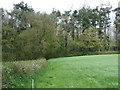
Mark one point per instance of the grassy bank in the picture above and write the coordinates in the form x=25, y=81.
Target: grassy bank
x=92, y=71
x=20, y=73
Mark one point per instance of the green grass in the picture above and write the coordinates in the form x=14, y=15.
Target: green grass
x=18, y=74
x=93, y=71
x=97, y=71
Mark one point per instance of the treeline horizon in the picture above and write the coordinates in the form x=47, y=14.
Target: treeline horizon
x=27, y=34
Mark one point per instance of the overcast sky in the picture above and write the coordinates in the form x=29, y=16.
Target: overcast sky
x=62, y=5
x=48, y=5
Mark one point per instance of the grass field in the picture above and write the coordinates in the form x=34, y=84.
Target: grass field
x=94, y=71
x=97, y=71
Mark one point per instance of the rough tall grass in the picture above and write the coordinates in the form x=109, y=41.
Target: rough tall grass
x=17, y=72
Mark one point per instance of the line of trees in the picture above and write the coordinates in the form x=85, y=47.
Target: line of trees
x=27, y=34
x=117, y=25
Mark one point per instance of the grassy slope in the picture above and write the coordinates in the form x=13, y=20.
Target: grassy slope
x=97, y=71
x=18, y=74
